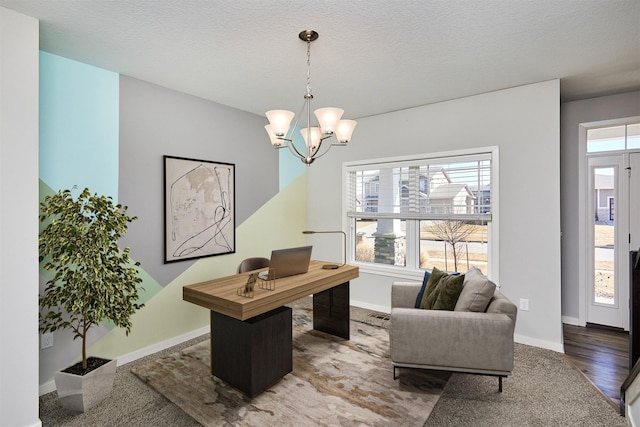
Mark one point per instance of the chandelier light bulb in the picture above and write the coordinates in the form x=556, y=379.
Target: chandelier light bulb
x=328, y=119
x=272, y=136
x=314, y=132
x=279, y=121
x=344, y=130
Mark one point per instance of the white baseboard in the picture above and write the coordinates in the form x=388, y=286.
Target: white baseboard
x=368, y=306
x=123, y=360
x=572, y=321
x=535, y=342
x=47, y=387
x=50, y=386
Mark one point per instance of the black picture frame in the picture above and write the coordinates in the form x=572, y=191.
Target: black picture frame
x=199, y=203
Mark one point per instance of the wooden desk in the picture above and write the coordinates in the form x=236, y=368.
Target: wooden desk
x=251, y=344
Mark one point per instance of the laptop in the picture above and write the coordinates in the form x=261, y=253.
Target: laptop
x=287, y=262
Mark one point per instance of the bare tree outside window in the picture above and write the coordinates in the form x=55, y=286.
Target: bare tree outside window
x=453, y=232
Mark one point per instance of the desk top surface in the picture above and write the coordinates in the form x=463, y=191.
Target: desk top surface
x=221, y=295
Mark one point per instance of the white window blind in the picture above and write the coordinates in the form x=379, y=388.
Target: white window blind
x=425, y=189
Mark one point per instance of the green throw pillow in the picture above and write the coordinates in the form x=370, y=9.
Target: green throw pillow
x=443, y=293
x=435, y=277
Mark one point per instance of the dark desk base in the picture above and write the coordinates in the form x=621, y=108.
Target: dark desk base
x=252, y=355
x=331, y=311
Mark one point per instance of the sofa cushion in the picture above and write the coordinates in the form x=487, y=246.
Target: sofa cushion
x=477, y=291
x=442, y=291
x=425, y=279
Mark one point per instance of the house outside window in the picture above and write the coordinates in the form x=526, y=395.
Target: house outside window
x=410, y=214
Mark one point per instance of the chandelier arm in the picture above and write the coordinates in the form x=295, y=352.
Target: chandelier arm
x=317, y=150
x=292, y=129
x=286, y=144
x=332, y=144
x=294, y=150
x=313, y=152
x=317, y=156
x=307, y=101
x=322, y=139
x=305, y=105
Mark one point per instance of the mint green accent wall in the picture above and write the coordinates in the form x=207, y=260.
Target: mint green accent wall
x=78, y=125
x=277, y=224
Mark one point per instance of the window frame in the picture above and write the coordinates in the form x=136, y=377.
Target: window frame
x=411, y=271
x=605, y=125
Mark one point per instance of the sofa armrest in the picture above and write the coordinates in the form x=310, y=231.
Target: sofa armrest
x=404, y=294
x=501, y=304
x=452, y=339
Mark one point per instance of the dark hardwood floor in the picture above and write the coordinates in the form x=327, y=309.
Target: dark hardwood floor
x=601, y=355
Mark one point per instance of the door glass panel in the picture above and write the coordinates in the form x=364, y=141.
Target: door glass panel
x=604, y=232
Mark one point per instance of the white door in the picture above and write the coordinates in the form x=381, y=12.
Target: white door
x=634, y=201
x=608, y=237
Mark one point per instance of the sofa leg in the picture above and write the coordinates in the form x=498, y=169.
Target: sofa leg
x=500, y=384
x=394, y=373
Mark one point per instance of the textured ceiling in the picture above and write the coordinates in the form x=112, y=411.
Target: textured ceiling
x=372, y=56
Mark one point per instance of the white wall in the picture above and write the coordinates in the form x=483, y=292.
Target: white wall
x=524, y=123
x=18, y=219
x=573, y=190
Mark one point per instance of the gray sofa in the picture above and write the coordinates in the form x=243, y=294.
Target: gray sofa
x=461, y=341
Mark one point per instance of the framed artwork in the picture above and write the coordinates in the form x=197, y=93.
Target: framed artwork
x=199, y=203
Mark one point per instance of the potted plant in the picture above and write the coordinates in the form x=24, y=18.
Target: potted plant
x=93, y=280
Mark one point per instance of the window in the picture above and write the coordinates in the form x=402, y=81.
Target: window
x=613, y=138
x=416, y=213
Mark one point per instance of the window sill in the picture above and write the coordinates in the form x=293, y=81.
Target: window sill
x=395, y=272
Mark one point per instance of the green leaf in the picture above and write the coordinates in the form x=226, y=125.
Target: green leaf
x=92, y=280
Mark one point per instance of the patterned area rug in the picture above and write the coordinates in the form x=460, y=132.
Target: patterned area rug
x=334, y=382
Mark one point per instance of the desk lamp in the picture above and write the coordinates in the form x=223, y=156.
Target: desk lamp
x=344, y=241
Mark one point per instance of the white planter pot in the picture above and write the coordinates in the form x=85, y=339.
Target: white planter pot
x=83, y=392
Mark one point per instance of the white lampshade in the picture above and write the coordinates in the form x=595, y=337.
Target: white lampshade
x=274, y=139
x=279, y=121
x=344, y=130
x=328, y=118
x=315, y=136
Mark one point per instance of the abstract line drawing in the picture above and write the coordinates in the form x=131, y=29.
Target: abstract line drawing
x=199, y=208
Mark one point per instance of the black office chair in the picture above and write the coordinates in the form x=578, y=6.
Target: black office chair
x=253, y=264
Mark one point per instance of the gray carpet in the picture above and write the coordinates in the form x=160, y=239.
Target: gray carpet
x=543, y=391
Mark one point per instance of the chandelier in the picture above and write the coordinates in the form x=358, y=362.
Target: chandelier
x=319, y=136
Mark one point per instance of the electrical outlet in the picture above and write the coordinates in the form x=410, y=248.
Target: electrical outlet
x=524, y=304
x=46, y=340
